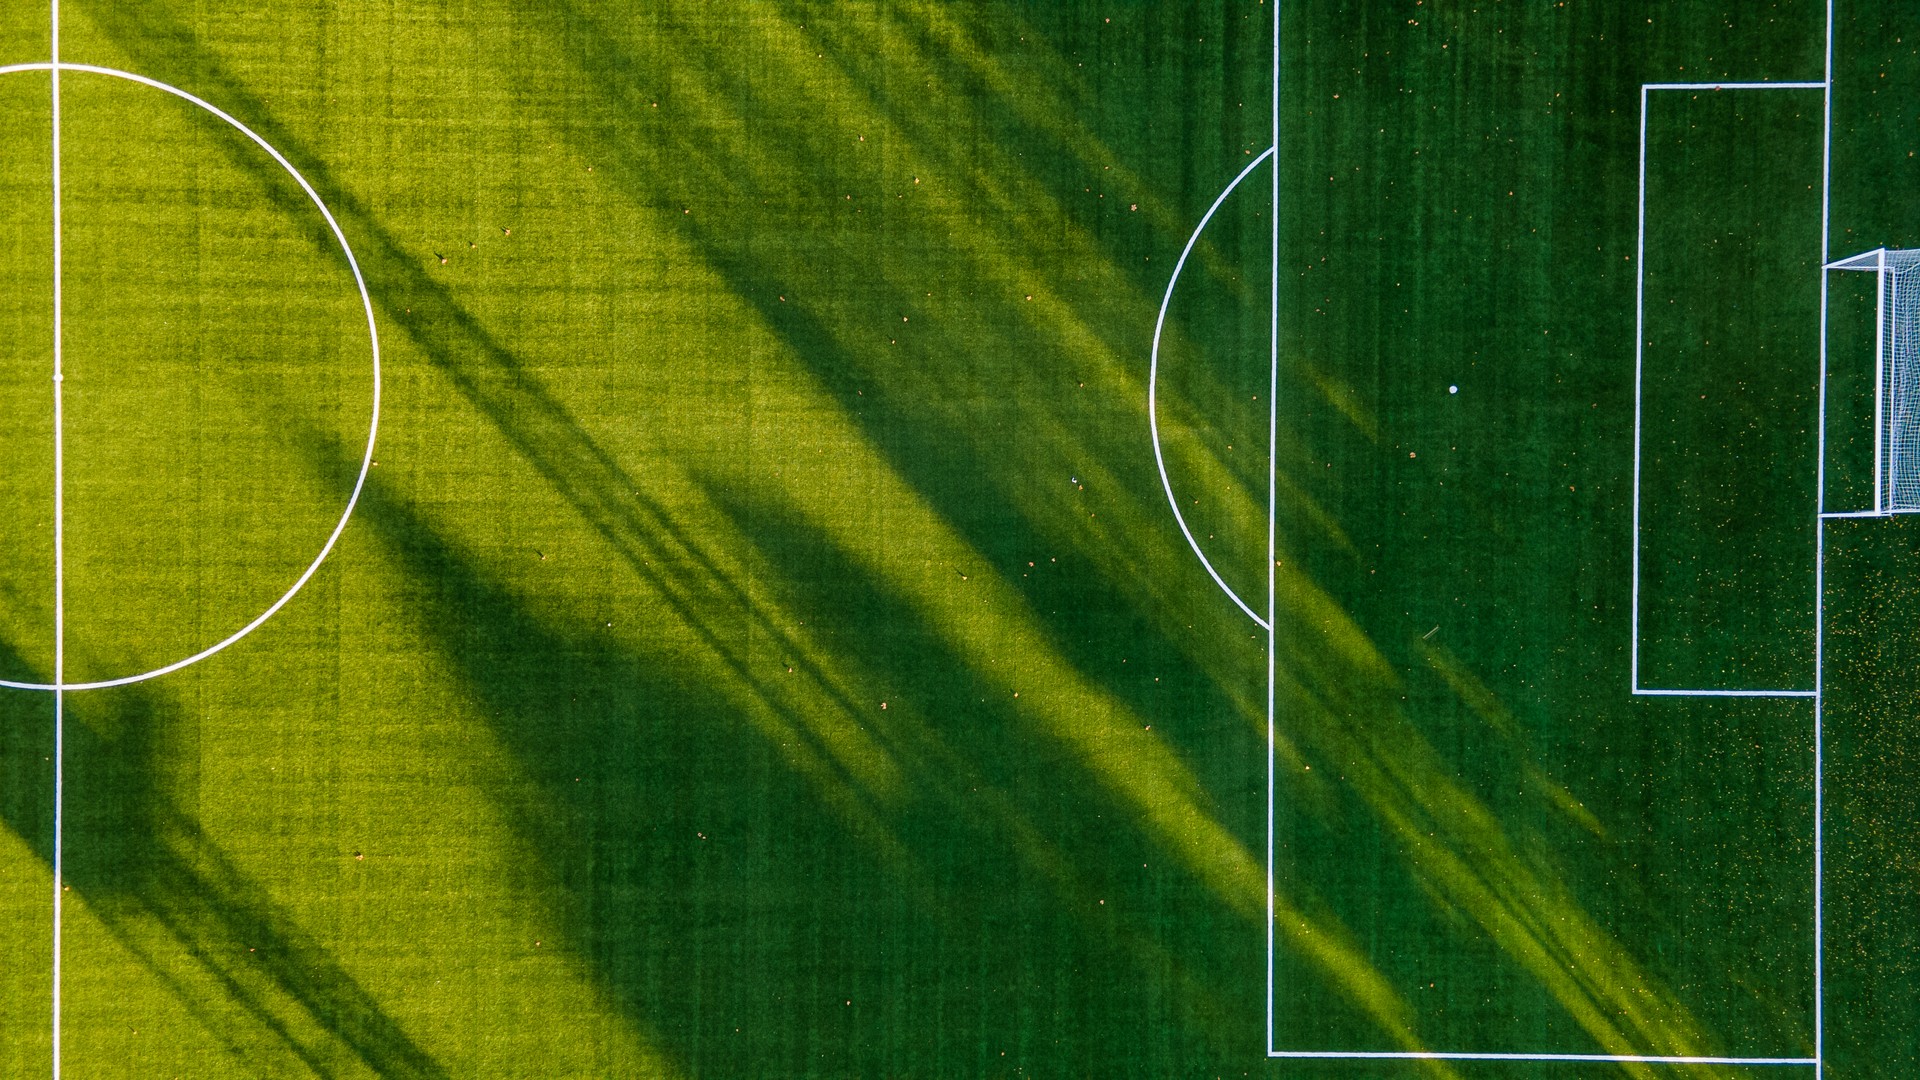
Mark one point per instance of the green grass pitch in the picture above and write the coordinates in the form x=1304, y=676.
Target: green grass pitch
x=762, y=646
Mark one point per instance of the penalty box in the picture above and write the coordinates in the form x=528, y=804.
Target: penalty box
x=1727, y=474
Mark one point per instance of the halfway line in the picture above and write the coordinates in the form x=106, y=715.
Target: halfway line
x=59, y=561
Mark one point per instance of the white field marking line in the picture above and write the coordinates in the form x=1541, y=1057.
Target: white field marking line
x=1820, y=573
x=1734, y=86
x=59, y=556
x=1639, y=349
x=373, y=334
x=1838, y=514
x=1645, y=691
x=1273, y=463
x=1153, y=379
x=1640, y=338
x=1651, y=1059
x=1819, y=797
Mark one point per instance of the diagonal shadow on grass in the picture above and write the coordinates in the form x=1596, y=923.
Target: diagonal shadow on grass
x=548, y=436
x=262, y=986
x=550, y=439
x=707, y=887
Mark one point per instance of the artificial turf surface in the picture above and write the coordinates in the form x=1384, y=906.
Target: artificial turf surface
x=762, y=646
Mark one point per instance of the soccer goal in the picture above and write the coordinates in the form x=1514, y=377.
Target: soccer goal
x=1896, y=376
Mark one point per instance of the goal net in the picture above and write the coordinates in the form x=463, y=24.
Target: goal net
x=1896, y=377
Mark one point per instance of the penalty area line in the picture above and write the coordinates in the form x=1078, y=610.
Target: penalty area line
x=1649, y=1059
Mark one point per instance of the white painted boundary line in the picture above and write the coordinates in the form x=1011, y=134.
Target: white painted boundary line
x=1639, y=368
x=1656, y=692
x=1733, y=86
x=1273, y=467
x=1820, y=573
x=1153, y=383
x=59, y=554
x=1639, y=350
x=1650, y=1059
x=1838, y=515
x=373, y=334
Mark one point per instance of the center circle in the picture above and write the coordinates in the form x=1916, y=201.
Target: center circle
x=373, y=423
